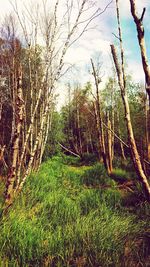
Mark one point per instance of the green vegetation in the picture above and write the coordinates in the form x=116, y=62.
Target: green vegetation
x=73, y=216
x=58, y=210
x=120, y=175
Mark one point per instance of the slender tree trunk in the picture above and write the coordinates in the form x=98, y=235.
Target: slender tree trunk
x=9, y=194
x=113, y=129
x=36, y=144
x=119, y=133
x=13, y=77
x=79, y=131
x=27, y=137
x=89, y=135
x=45, y=137
x=141, y=39
x=122, y=83
x=31, y=97
x=109, y=143
x=1, y=108
x=113, y=117
x=133, y=147
x=98, y=114
x=147, y=124
x=98, y=133
x=2, y=159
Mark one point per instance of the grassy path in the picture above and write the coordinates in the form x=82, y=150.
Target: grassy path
x=62, y=219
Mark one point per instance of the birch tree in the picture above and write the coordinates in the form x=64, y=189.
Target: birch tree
x=122, y=84
x=55, y=27
x=141, y=40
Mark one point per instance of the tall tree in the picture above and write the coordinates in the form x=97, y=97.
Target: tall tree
x=122, y=84
x=107, y=160
x=141, y=39
x=42, y=67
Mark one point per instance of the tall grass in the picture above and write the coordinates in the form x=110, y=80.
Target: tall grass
x=59, y=220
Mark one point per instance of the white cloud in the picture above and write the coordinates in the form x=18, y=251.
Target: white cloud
x=136, y=70
x=96, y=41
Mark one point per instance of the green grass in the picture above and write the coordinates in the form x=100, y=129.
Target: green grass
x=69, y=216
x=120, y=175
x=97, y=176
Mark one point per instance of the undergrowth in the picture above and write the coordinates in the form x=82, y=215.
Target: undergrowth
x=71, y=216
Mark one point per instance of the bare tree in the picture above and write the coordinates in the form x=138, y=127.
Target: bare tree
x=141, y=39
x=98, y=112
x=122, y=84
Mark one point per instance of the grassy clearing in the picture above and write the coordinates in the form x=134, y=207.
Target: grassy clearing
x=62, y=219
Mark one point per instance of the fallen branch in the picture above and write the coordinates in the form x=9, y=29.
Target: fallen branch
x=71, y=152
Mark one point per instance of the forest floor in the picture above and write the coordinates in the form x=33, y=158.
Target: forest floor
x=71, y=213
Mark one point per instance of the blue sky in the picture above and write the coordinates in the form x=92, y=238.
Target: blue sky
x=130, y=41
x=100, y=39
x=97, y=41
x=130, y=37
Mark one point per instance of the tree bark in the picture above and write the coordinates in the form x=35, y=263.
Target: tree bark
x=140, y=30
x=109, y=142
x=79, y=130
x=9, y=194
x=98, y=114
x=141, y=39
x=133, y=148
x=119, y=133
x=147, y=129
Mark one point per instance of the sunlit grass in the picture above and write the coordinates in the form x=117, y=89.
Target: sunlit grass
x=62, y=218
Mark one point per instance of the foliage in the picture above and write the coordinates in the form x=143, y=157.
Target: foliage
x=78, y=122
x=54, y=137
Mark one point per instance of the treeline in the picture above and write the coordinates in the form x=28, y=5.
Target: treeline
x=109, y=123
x=78, y=119
x=139, y=150
x=32, y=60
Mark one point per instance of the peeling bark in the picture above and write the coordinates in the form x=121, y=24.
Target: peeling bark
x=9, y=194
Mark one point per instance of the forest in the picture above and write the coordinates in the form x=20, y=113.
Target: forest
x=74, y=143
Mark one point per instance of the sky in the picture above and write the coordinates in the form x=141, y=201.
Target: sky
x=96, y=42
x=103, y=36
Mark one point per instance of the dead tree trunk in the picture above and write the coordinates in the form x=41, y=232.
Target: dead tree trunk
x=99, y=122
x=89, y=135
x=119, y=134
x=79, y=130
x=140, y=30
x=109, y=143
x=147, y=130
x=133, y=148
x=141, y=39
